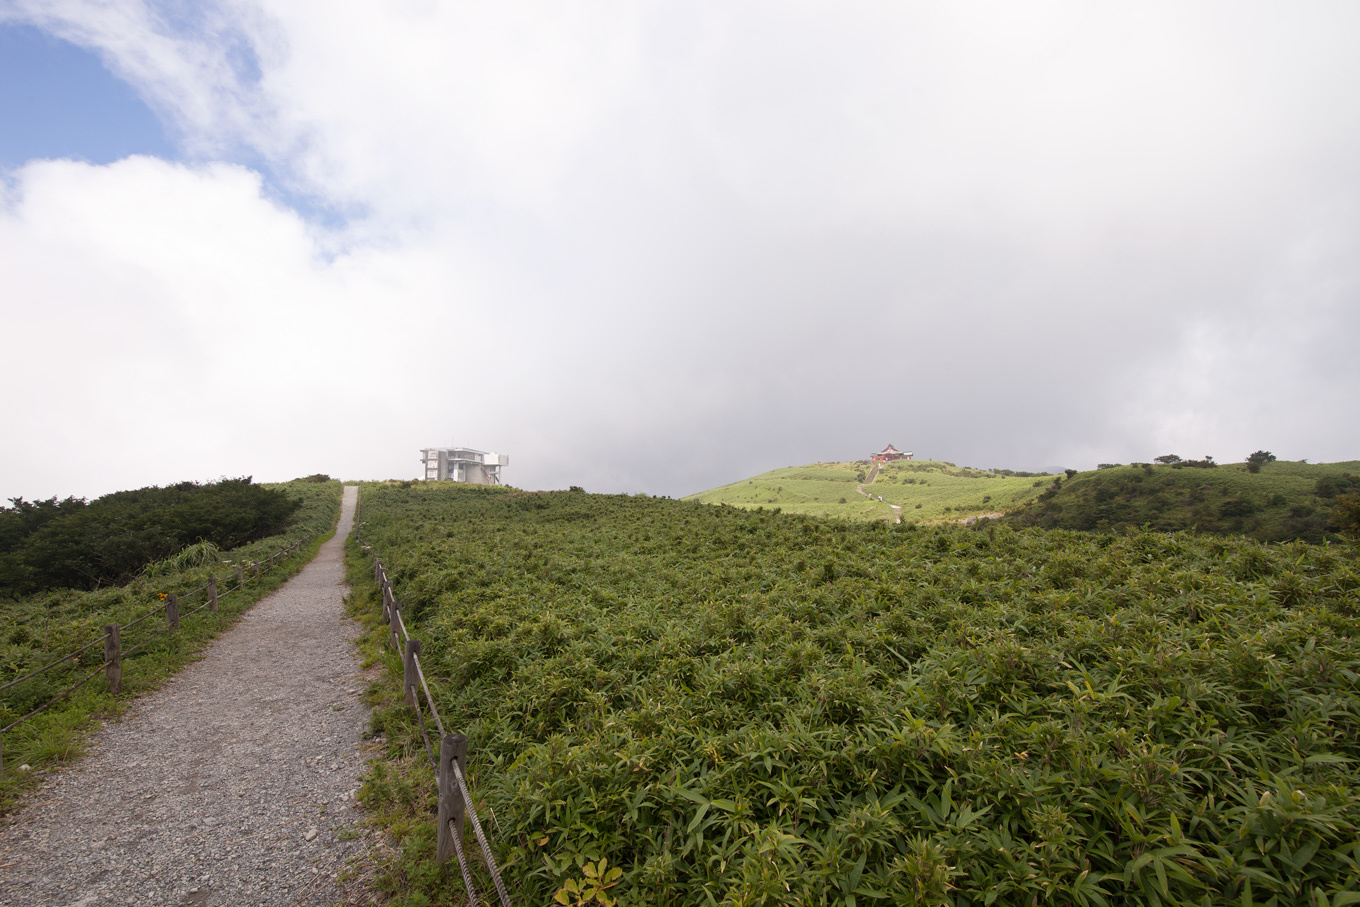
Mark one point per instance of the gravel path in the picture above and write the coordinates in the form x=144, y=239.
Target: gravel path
x=232, y=785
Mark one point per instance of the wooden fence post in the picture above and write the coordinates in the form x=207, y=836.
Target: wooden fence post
x=240, y=578
x=172, y=612
x=113, y=659
x=256, y=565
x=452, y=748
x=212, y=593
x=386, y=589
x=408, y=671
x=394, y=628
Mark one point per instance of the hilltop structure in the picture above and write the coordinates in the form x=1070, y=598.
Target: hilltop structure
x=891, y=453
x=463, y=464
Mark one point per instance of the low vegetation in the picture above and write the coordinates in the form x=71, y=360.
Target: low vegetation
x=737, y=707
x=1262, y=498
x=74, y=544
x=38, y=628
x=924, y=491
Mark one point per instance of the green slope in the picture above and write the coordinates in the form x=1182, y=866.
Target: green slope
x=1283, y=501
x=925, y=490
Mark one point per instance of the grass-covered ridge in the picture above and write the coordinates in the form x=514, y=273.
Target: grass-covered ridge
x=1283, y=501
x=756, y=708
x=36, y=629
x=922, y=490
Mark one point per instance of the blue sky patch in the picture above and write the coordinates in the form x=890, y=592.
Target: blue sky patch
x=58, y=101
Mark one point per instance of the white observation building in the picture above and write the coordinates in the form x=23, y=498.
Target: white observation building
x=463, y=464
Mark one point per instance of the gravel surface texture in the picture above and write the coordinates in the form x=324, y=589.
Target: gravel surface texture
x=233, y=785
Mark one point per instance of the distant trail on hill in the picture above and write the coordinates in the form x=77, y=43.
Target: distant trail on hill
x=232, y=785
x=873, y=474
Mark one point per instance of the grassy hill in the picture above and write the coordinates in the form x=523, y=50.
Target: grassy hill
x=925, y=491
x=1283, y=501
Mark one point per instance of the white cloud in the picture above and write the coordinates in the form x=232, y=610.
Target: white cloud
x=175, y=322
x=588, y=235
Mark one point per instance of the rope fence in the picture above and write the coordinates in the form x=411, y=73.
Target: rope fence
x=114, y=653
x=450, y=766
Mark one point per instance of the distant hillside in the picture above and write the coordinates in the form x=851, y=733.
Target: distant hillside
x=915, y=490
x=1283, y=501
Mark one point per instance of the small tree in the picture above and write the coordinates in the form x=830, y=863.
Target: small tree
x=1346, y=514
x=1070, y=472
x=1167, y=459
x=1259, y=459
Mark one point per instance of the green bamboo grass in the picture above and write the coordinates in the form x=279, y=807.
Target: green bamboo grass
x=756, y=708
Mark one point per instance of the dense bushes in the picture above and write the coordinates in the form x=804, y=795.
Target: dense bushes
x=71, y=544
x=1283, y=502
x=758, y=708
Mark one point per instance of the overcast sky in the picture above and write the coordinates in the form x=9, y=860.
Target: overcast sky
x=661, y=246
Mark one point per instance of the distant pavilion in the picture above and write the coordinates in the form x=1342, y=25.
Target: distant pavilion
x=890, y=453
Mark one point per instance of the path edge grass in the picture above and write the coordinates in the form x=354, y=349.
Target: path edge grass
x=60, y=735
x=398, y=789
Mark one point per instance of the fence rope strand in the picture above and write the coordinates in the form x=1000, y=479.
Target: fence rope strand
x=132, y=623
x=88, y=677
x=429, y=751
x=481, y=836
x=428, y=698
x=473, y=900
x=69, y=656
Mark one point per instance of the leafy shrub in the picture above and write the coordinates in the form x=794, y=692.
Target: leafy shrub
x=1258, y=459
x=71, y=544
x=1328, y=487
x=1346, y=514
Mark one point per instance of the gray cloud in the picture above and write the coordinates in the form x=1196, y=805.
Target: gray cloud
x=661, y=251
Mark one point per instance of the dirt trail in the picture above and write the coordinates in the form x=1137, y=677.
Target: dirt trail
x=896, y=510
x=232, y=785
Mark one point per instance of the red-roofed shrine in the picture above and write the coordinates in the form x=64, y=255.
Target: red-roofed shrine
x=890, y=453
